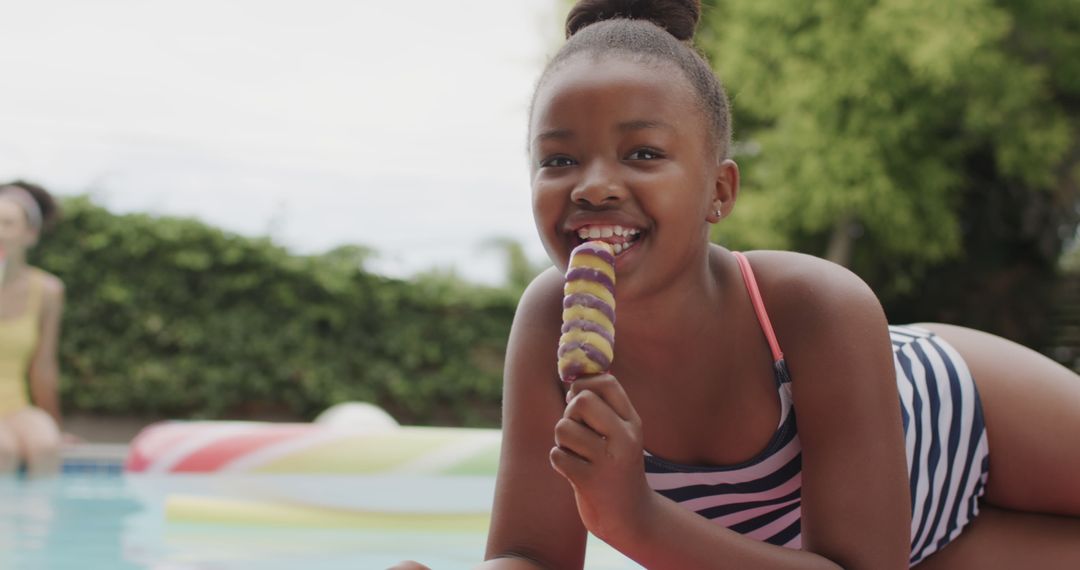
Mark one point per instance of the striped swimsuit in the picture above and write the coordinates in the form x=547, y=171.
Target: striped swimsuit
x=945, y=439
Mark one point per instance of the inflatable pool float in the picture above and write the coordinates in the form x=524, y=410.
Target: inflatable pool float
x=178, y=447
x=347, y=473
x=216, y=510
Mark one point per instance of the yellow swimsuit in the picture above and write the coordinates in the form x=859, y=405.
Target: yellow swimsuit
x=18, y=340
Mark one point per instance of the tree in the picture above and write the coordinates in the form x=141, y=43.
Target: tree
x=933, y=147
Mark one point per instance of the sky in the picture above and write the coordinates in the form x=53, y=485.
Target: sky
x=400, y=126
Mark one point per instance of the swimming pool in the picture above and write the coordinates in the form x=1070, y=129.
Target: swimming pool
x=91, y=518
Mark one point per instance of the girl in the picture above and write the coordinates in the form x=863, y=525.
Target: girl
x=31, y=302
x=760, y=412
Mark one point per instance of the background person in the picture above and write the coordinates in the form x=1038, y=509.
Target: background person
x=31, y=304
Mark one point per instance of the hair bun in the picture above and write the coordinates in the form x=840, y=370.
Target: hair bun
x=678, y=17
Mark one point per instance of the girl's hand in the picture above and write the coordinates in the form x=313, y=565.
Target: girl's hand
x=599, y=450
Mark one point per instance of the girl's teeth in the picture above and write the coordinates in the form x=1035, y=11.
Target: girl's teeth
x=618, y=248
x=605, y=232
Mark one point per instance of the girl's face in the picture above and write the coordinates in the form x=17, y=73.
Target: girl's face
x=620, y=151
x=16, y=235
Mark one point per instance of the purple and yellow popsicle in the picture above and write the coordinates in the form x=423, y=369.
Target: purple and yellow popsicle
x=587, y=344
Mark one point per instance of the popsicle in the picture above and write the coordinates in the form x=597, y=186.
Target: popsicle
x=587, y=344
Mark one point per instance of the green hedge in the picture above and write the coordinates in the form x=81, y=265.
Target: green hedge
x=170, y=317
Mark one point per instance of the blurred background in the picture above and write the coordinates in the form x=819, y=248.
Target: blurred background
x=272, y=207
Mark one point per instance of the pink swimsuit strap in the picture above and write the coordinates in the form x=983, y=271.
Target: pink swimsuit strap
x=759, y=305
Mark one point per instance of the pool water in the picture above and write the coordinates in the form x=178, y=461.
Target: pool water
x=91, y=519
x=66, y=522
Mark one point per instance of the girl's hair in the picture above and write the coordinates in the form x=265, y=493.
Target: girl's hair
x=660, y=30
x=50, y=210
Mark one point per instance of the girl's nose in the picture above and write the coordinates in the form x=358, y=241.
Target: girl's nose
x=600, y=187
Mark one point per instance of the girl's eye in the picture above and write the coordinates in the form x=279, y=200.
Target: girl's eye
x=556, y=162
x=645, y=154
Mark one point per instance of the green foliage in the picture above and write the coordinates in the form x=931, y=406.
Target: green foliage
x=520, y=270
x=170, y=317
x=941, y=139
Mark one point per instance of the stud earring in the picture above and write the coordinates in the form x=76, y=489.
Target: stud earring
x=717, y=212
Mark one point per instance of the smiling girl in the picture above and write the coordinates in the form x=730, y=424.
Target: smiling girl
x=760, y=412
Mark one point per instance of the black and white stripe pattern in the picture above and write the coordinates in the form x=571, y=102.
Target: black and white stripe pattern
x=946, y=446
x=760, y=498
x=947, y=450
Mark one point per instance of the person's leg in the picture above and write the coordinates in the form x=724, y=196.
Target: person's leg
x=39, y=440
x=9, y=449
x=1008, y=540
x=1031, y=406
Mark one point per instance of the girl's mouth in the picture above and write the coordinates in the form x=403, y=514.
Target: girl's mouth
x=621, y=238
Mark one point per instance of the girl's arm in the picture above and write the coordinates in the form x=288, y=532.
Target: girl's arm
x=44, y=367
x=534, y=521
x=855, y=490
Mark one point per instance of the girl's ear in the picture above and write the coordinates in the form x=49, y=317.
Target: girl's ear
x=725, y=190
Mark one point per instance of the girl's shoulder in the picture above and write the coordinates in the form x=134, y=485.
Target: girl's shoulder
x=545, y=290
x=803, y=292
x=789, y=272
x=539, y=311
x=51, y=286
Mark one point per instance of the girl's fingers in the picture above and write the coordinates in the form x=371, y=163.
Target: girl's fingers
x=610, y=391
x=579, y=439
x=589, y=409
x=567, y=463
